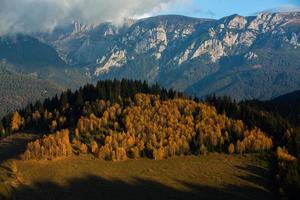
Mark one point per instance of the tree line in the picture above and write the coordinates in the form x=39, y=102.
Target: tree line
x=148, y=126
x=64, y=111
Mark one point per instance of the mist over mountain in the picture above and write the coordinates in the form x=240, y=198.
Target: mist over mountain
x=31, y=16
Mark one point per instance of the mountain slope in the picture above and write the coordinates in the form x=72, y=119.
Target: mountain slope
x=32, y=70
x=235, y=55
x=290, y=98
x=27, y=54
x=17, y=90
x=27, y=51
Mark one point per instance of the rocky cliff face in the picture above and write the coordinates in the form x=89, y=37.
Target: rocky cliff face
x=247, y=57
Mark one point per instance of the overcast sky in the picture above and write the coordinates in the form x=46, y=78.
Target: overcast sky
x=26, y=16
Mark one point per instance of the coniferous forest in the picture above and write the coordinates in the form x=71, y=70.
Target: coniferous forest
x=120, y=120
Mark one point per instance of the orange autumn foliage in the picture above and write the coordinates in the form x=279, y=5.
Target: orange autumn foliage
x=49, y=147
x=161, y=129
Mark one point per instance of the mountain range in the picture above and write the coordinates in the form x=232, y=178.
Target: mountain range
x=254, y=57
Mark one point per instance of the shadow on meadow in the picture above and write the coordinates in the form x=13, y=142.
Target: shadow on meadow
x=12, y=146
x=94, y=187
x=260, y=176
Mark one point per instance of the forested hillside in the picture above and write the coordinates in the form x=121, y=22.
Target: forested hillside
x=31, y=70
x=154, y=128
x=17, y=90
x=120, y=120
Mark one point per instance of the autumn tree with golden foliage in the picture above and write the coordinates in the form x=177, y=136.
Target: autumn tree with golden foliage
x=231, y=149
x=49, y=147
x=16, y=122
x=284, y=156
x=161, y=129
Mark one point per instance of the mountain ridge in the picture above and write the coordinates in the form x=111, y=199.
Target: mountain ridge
x=182, y=52
x=253, y=57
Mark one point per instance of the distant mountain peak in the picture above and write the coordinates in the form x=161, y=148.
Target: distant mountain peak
x=245, y=57
x=80, y=27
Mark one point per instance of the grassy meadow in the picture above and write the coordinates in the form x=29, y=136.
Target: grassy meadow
x=215, y=176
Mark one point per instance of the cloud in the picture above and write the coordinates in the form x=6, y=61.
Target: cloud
x=211, y=13
x=284, y=8
x=27, y=16
x=288, y=8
